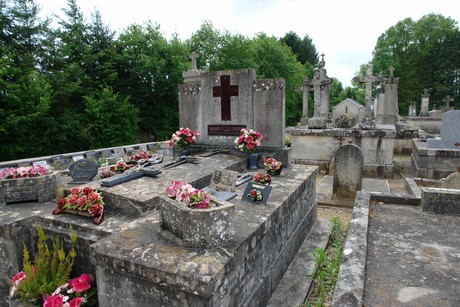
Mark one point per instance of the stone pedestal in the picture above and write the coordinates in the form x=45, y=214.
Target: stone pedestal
x=317, y=123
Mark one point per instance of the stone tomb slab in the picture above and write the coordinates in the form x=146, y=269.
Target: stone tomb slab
x=138, y=197
x=324, y=190
x=150, y=267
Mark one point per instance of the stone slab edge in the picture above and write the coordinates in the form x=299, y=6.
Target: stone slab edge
x=294, y=287
x=349, y=290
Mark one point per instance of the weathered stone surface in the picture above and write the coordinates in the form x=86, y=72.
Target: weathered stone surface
x=349, y=290
x=243, y=272
x=450, y=132
x=348, y=171
x=345, y=121
x=443, y=201
x=316, y=123
x=39, y=189
x=314, y=146
x=205, y=228
x=452, y=181
x=412, y=257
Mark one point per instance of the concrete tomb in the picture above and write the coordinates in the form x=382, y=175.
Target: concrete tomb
x=437, y=158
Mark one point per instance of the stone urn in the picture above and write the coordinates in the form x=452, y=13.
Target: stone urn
x=204, y=228
x=41, y=189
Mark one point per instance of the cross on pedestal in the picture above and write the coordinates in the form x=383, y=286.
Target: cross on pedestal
x=368, y=80
x=193, y=56
x=225, y=91
x=448, y=100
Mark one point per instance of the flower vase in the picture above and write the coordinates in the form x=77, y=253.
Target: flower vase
x=181, y=151
x=275, y=172
x=252, y=161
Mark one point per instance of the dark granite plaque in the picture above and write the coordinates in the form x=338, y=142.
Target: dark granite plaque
x=263, y=189
x=232, y=130
x=83, y=170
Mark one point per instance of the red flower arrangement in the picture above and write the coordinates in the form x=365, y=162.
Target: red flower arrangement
x=248, y=140
x=183, y=137
x=262, y=178
x=82, y=200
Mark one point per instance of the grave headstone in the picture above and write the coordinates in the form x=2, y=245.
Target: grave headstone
x=83, y=170
x=425, y=104
x=413, y=109
x=450, y=132
x=59, y=162
x=118, y=152
x=224, y=102
x=447, y=100
x=92, y=155
x=106, y=153
x=348, y=171
x=78, y=157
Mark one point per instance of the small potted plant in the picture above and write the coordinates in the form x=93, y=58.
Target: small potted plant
x=262, y=178
x=36, y=183
x=248, y=141
x=287, y=141
x=181, y=139
x=273, y=166
x=82, y=201
x=46, y=282
x=199, y=219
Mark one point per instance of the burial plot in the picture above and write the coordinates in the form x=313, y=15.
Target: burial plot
x=348, y=171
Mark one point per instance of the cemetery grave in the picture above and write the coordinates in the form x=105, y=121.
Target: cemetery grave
x=397, y=252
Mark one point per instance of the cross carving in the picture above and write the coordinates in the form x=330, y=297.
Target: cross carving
x=225, y=91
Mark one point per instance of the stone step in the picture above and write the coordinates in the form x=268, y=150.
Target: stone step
x=296, y=283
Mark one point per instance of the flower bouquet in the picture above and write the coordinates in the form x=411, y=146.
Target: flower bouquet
x=273, y=166
x=24, y=172
x=86, y=202
x=255, y=195
x=248, y=140
x=188, y=195
x=262, y=178
x=183, y=137
x=46, y=282
x=120, y=167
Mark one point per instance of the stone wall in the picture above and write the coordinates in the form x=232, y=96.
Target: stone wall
x=312, y=146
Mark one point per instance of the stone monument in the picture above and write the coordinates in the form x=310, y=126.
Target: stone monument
x=368, y=121
x=387, y=112
x=425, y=104
x=348, y=171
x=219, y=104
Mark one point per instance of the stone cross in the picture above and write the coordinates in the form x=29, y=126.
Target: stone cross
x=368, y=80
x=305, y=88
x=193, y=56
x=448, y=100
x=392, y=70
x=225, y=91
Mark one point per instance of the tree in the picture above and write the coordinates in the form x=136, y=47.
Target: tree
x=304, y=49
x=276, y=60
x=149, y=69
x=414, y=50
x=112, y=119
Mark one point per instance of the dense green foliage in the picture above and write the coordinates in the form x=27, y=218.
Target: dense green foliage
x=425, y=55
x=79, y=85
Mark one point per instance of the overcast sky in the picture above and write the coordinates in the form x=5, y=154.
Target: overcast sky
x=346, y=31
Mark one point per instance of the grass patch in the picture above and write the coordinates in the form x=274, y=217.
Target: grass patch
x=328, y=265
